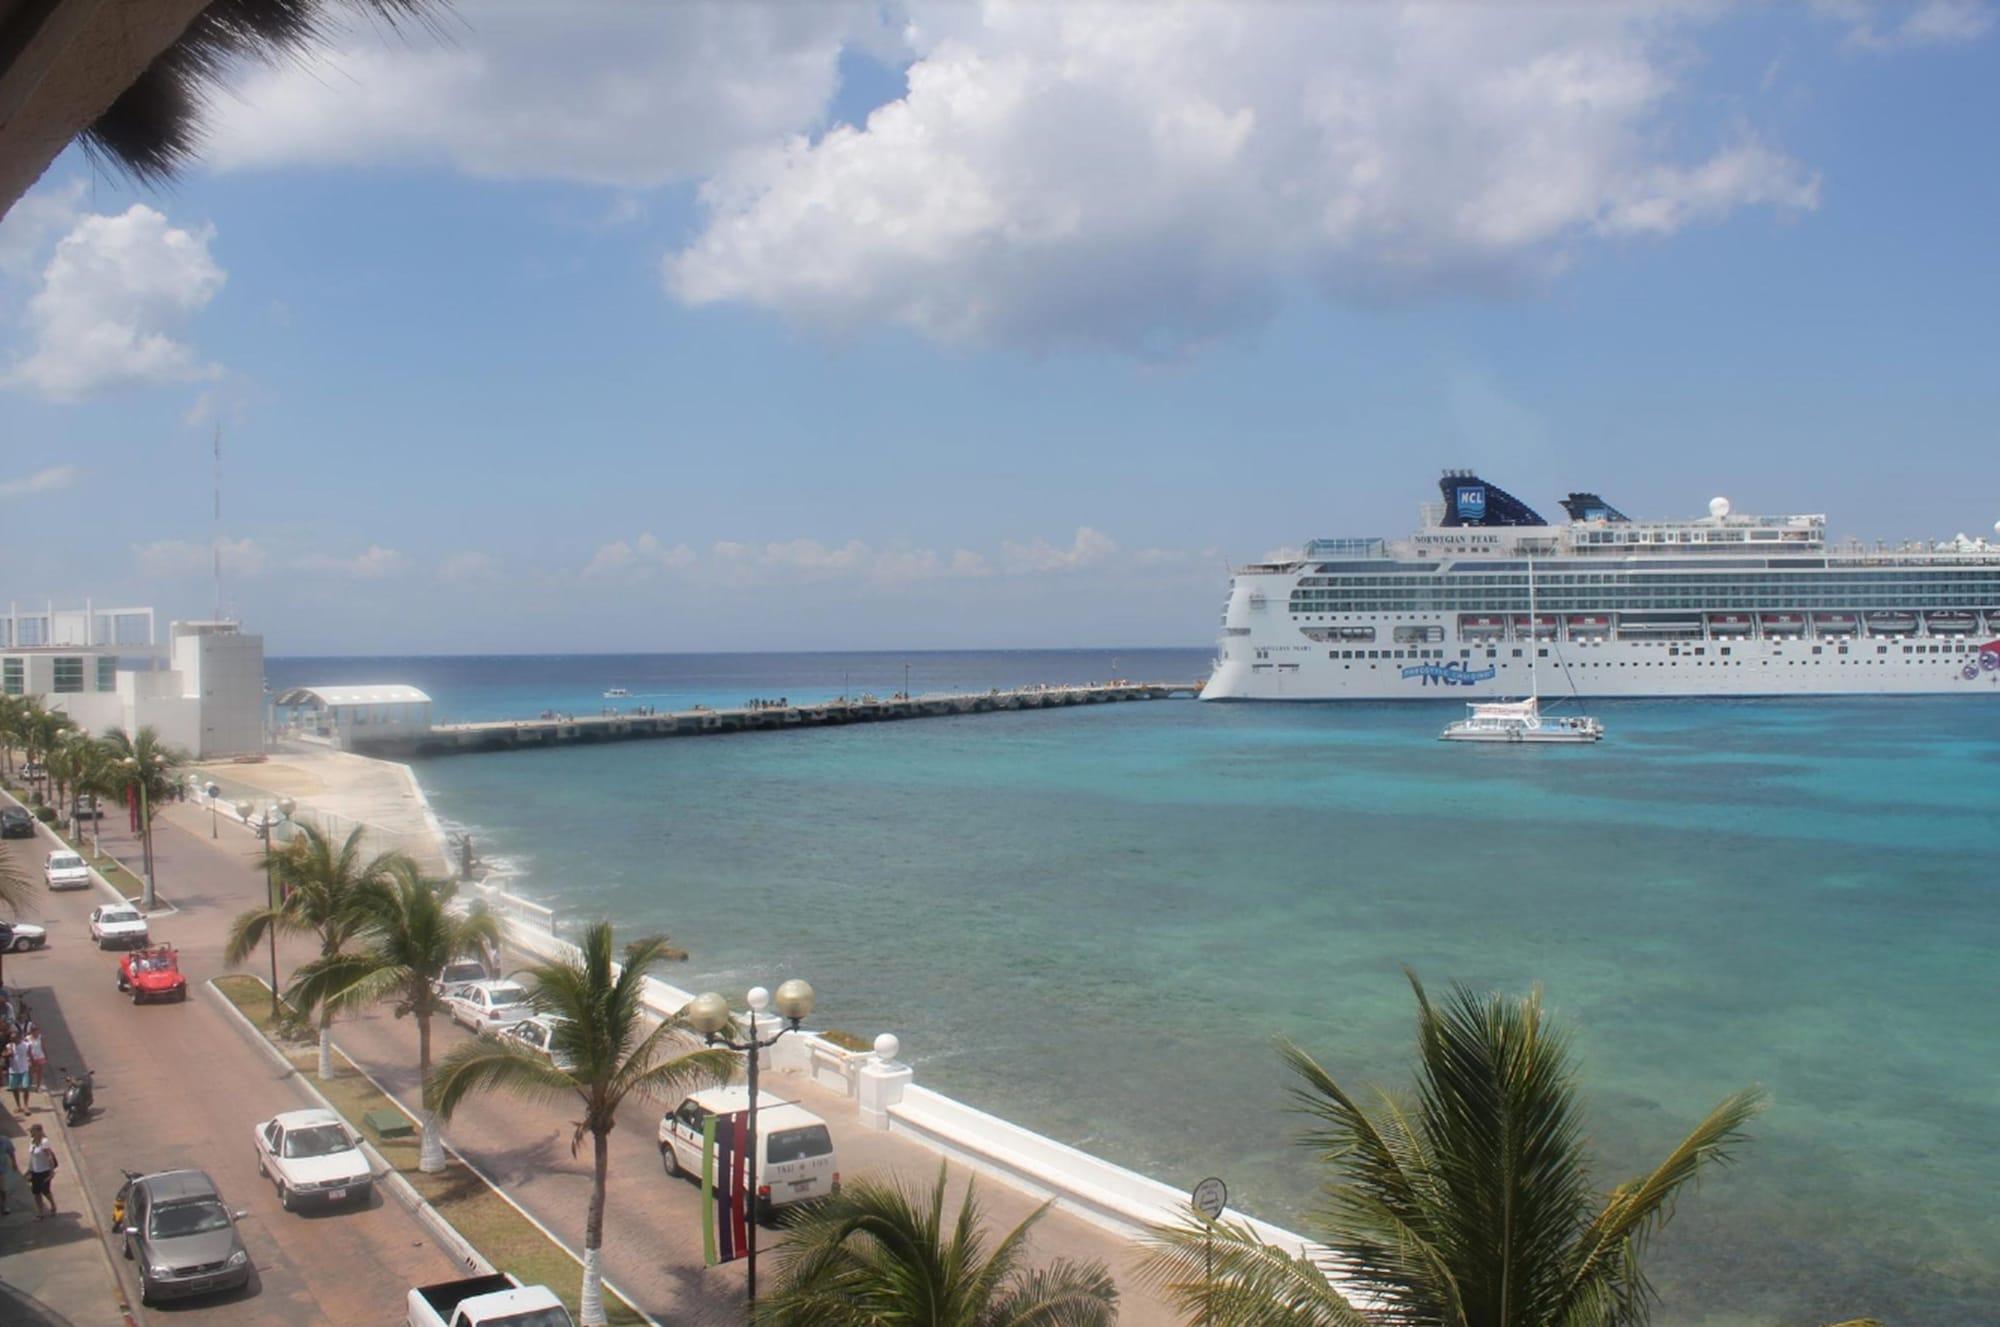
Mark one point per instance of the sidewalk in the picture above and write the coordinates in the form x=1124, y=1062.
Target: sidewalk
x=60, y=1261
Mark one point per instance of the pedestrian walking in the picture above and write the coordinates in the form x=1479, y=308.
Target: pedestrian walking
x=41, y=1170
x=38, y=1058
x=10, y=1164
x=18, y=1060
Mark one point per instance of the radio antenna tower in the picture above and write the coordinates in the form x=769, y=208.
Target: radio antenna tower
x=215, y=531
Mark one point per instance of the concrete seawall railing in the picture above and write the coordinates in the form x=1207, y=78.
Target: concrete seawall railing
x=1120, y=1200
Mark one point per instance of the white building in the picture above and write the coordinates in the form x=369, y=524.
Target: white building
x=204, y=693
x=339, y=714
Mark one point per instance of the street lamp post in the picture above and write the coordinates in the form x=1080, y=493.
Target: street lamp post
x=280, y=810
x=708, y=1014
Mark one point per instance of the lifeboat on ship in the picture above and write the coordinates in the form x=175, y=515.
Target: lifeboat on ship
x=1951, y=622
x=1728, y=624
x=1782, y=624
x=1890, y=623
x=1545, y=626
x=1475, y=626
x=1589, y=624
x=1834, y=624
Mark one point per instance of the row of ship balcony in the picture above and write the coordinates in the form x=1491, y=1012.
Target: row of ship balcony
x=1887, y=623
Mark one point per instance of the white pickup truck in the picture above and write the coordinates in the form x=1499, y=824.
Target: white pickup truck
x=486, y=1301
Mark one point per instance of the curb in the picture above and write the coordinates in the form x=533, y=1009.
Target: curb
x=455, y=1245
x=73, y=1161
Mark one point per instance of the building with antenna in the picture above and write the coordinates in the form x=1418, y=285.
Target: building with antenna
x=202, y=689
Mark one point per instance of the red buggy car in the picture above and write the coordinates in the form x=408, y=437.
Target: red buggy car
x=153, y=973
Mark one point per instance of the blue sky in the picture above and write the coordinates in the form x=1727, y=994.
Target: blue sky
x=813, y=327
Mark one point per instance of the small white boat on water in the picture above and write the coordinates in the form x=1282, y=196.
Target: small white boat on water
x=1521, y=721
x=617, y=693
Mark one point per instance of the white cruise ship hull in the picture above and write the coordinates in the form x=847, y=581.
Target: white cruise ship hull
x=1610, y=668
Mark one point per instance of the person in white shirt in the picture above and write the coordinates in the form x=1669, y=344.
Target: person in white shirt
x=41, y=1170
x=19, y=1057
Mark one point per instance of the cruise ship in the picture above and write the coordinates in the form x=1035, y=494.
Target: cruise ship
x=1721, y=605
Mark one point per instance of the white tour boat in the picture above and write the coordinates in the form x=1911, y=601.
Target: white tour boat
x=617, y=693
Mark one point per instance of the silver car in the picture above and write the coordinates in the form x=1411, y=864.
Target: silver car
x=182, y=1237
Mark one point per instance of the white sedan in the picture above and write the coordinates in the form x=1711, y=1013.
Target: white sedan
x=17, y=937
x=66, y=870
x=311, y=1157
x=488, y=1007
x=538, y=1034
x=118, y=926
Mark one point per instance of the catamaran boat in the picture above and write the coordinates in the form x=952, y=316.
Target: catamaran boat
x=1521, y=720
x=1723, y=604
x=617, y=693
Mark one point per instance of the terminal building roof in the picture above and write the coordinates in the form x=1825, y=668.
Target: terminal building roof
x=333, y=697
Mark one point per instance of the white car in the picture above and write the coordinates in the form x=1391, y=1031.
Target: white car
x=66, y=870
x=311, y=1157
x=538, y=1034
x=462, y=972
x=118, y=926
x=796, y=1163
x=488, y=1007
x=16, y=937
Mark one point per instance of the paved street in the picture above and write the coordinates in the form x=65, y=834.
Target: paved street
x=178, y=1086
x=653, y=1243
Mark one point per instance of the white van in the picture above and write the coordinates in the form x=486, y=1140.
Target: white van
x=795, y=1147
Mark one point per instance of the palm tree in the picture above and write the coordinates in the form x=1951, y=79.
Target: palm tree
x=13, y=721
x=45, y=732
x=1468, y=1203
x=95, y=773
x=150, y=768
x=14, y=886
x=410, y=932
x=602, y=1055
x=320, y=888
x=879, y=1253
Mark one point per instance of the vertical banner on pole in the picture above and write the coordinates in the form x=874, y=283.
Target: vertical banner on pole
x=725, y=1183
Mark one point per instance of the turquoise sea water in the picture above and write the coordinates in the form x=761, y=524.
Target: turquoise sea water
x=1094, y=922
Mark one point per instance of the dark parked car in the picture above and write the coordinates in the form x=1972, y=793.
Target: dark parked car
x=182, y=1237
x=16, y=824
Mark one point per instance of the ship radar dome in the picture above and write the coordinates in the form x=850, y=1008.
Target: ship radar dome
x=1996, y=527
x=1718, y=507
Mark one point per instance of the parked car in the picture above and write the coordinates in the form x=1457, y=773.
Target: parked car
x=16, y=824
x=118, y=926
x=488, y=1007
x=795, y=1160
x=17, y=937
x=66, y=870
x=86, y=807
x=486, y=1301
x=152, y=973
x=462, y=973
x=538, y=1034
x=183, y=1238
x=311, y=1157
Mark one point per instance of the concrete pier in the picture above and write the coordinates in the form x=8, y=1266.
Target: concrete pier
x=566, y=730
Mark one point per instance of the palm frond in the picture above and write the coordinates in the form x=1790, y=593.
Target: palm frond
x=482, y=1065
x=1230, y=1276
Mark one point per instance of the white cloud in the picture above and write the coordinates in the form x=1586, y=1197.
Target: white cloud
x=42, y=481
x=1927, y=23
x=808, y=561
x=460, y=568
x=1088, y=549
x=374, y=564
x=602, y=91
x=178, y=559
x=113, y=299
x=640, y=556
x=33, y=223
x=1149, y=176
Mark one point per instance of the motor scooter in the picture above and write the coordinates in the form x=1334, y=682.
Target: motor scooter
x=79, y=1095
